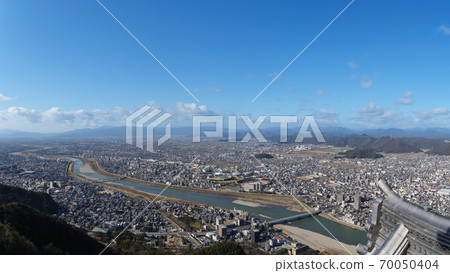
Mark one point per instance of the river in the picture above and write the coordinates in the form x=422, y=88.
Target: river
x=264, y=212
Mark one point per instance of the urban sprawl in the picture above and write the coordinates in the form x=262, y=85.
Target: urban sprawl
x=343, y=189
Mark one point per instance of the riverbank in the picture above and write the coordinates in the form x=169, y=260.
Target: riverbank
x=128, y=191
x=334, y=219
x=273, y=199
x=247, y=199
x=317, y=241
x=248, y=203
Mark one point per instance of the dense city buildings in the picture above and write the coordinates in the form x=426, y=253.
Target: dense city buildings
x=342, y=189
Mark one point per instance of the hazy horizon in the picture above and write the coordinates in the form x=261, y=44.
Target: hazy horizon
x=379, y=65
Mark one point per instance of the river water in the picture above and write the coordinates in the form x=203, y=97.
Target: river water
x=342, y=232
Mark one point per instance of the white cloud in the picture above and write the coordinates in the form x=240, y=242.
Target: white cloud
x=320, y=92
x=352, y=64
x=426, y=114
x=87, y=117
x=366, y=83
x=375, y=115
x=57, y=115
x=371, y=108
x=121, y=111
x=56, y=119
x=444, y=30
x=326, y=116
x=406, y=99
x=435, y=117
x=4, y=98
x=185, y=111
x=192, y=109
x=18, y=113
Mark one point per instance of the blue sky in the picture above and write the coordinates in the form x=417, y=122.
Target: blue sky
x=69, y=64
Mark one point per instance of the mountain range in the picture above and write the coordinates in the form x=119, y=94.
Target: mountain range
x=432, y=140
x=429, y=133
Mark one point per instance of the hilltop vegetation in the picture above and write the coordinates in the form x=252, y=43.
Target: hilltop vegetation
x=360, y=153
x=38, y=200
x=263, y=156
x=132, y=244
x=383, y=144
x=442, y=150
x=26, y=226
x=221, y=248
x=25, y=230
x=394, y=145
x=11, y=242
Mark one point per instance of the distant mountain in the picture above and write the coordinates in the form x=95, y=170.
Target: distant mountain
x=7, y=133
x=359, y=153
x=388, y=144
x=384, y=144
x=433, y=133
x=423, y=143
x=38, y=200
x=442, y=150
x=337, y=131
x=120, y=132
x=25, y=230
x=95, y=132
x=356, y=141
x=270, y=132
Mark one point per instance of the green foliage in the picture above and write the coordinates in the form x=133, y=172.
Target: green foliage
x=442, y=150
x=221, y=248
x=360, y=153
x=29, y=231
x=26, y=229
x=128, y=243
x=190, y=222
x=263, y=156
x=38, y=200
x=384, y=144
x=11, y=242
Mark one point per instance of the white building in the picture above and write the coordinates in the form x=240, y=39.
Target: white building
x=254, y=186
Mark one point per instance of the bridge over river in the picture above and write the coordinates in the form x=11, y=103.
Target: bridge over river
x=273, y=214
x=293, y=218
